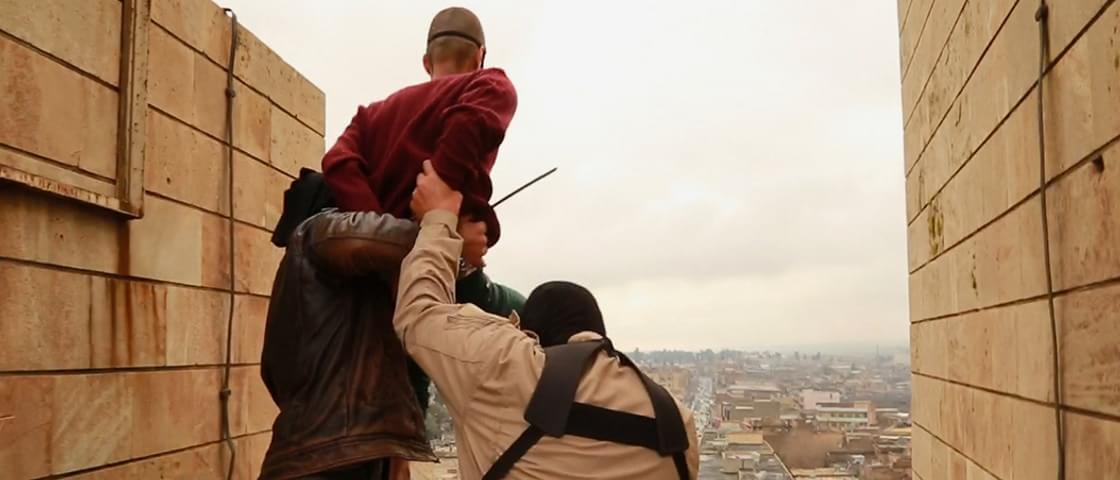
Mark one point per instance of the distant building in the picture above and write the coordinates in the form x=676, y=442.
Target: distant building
x=845, y=416
x=755, y=391
x=811, y=399
x=677, y=380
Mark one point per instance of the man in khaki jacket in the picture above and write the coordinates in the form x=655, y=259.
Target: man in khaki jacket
x=487, y=369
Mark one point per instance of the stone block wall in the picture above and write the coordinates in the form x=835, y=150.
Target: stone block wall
x=113, y=325
x=981, y=338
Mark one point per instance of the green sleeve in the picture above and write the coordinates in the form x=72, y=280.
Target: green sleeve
x=494, y=298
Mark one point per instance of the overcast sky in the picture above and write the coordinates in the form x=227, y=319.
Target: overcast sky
x=730, y=171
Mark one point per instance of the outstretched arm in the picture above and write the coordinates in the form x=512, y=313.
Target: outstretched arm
x=473, y=129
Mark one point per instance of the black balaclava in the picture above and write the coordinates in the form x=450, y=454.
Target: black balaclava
x=557, y=310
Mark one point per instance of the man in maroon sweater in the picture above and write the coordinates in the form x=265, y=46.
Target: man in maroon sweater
x=458, y=120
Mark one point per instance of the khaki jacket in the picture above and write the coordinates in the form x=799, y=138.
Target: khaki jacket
x=486, y=370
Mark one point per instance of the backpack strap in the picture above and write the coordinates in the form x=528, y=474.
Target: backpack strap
x=556, y=390
x=553, y=411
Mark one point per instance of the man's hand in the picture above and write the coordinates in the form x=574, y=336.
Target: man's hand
x=474, y=242
x=433, y=194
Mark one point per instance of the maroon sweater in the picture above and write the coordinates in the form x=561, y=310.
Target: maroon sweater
x=458, y=122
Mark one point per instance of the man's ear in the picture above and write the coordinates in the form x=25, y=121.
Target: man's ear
x=482, y=57
x=427, y=64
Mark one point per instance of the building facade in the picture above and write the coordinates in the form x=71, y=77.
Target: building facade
x=844, y=416
x=1014, y=236
x=811, y=399
x=121, y=258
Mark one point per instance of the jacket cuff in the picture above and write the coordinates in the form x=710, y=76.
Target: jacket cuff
x=441, y=217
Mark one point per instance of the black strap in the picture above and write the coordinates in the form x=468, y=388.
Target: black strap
x=681, y=464
x=598, y=423
x=504, y=464
x=553, y=411
x=556, y=390
x=671, y=434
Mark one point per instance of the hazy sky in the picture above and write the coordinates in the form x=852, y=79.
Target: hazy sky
x=730, y=171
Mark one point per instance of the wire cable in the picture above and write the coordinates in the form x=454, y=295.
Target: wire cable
x=224, y=394
x=1042, y=17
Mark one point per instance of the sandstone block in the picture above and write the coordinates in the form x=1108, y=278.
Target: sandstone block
x=1092, y=447
x=91, y=423
x=84, y=34
x=46, y=318
x=25, y=426
x=184, y=164
x=1090, y=359
x=249, y=319
x=36, y=227
x=293, y=144
x=1083, y=101
x=199, y=23
x=173, y=409
x=252, y=123
x=999, y=264
x=53, y=111
x=180, y=244
x=912, y=29
x=258, y=192
x=256, y=261
x=1033, y=447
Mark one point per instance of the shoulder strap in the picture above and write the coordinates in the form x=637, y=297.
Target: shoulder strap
x=553, y=411
x=671, y=434
x=504, y=463
x=556, y=390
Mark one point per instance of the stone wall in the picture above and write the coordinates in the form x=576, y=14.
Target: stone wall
x=113, y=320
x=982, y=348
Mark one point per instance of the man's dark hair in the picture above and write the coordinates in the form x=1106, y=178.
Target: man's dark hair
x=557, y=310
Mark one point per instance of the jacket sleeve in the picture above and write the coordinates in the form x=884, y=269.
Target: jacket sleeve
x=353, y=244
x=346, y=171
x=457, y=345
x=473, y=128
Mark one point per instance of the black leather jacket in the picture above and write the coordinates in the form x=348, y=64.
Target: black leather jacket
x=331, y=360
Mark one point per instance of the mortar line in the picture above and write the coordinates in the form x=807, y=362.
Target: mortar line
x=245, y=81
x=1022, y=301
x=1073, y=168
x=960, y=90
x=60, y=61
x=207, y=211
x=936, y=61
x=955, y=449
x=219, y=140
x=921, y=34
x=118, y=276
x=65, y=166
x=61, y=372
x=107, y=466
x=1050, y=66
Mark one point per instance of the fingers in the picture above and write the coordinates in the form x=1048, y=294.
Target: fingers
x=429, y=169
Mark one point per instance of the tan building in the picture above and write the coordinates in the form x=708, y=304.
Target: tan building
x=115, y=235
x=677, y=380
x=845, y=416
x=982, y=336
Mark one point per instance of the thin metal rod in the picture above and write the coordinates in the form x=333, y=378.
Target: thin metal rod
x=523, y=187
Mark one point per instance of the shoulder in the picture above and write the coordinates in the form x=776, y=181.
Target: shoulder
x=493, y=76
